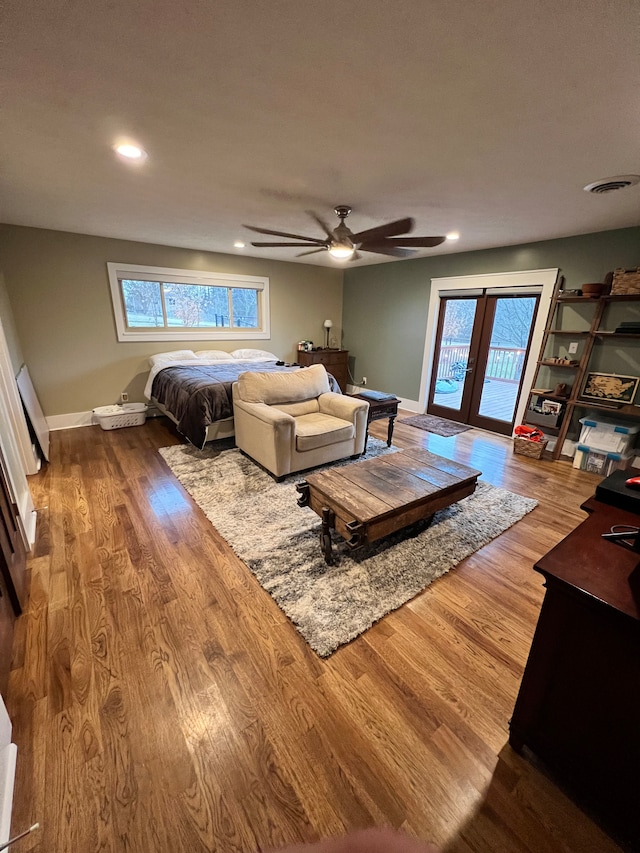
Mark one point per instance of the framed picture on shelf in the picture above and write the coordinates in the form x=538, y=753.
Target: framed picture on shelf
x=551, y=407
x=610, y=387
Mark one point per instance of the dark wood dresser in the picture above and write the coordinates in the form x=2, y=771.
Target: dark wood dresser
x=336, y=362
x=578, y=708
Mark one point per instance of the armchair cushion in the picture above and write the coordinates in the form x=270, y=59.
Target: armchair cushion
x=292, y=421
x=274, y=388
x=319, y=430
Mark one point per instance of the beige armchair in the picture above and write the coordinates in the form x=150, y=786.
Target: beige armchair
x=291, y=421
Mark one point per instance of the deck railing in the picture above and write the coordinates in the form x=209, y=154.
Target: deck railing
x=503, y=363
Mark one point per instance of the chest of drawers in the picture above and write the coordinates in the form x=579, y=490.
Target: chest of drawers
x=335, y=361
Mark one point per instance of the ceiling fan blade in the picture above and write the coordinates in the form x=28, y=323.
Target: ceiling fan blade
x=391, y=250
x=391, y=229
x=326, y=228
x=284, y=234
x=356, y=256
x=417, y=242
x=288, y=244
x=312, y=252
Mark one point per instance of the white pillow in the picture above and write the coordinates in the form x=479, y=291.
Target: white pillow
x=251, y=354
x=174, y=355
x=214, y=354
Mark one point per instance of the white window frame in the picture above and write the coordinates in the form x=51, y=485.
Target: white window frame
x=187, y=333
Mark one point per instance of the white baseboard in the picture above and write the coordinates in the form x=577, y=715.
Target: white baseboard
x=410, y=405
x=70, y=420
x=83, y=419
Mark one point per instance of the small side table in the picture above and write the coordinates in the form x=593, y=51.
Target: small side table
x=380, y=409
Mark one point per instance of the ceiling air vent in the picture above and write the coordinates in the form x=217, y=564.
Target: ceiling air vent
x=608, y=185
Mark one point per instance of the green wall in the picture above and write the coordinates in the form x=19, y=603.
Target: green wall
x=59, y=295
x=385, y=306
x=56, y=290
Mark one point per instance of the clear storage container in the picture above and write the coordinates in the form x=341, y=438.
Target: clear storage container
x=600, y=461
x=605, y=435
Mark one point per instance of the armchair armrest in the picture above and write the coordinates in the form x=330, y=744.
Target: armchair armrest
x=267, y=414
x=341, y=406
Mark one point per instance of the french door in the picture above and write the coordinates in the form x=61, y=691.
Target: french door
x=482, y=346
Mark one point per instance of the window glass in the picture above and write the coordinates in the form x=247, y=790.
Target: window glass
x=209, y=305
x=142, y=303
x=245, y=307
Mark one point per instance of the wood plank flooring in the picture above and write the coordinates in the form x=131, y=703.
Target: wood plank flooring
x=162, y=701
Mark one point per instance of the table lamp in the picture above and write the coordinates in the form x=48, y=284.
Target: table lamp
x=327, y=326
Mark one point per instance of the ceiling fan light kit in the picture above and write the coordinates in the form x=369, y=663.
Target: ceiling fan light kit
x=343, y=244
x=341, y=251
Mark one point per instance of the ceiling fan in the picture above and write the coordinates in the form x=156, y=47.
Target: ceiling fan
x=343, y=244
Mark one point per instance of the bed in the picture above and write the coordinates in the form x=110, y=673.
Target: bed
x=194, y=388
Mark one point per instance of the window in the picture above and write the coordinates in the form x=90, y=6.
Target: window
x=158, y=304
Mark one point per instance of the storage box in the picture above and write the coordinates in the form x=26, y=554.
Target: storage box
x=544, y=419
x=625, y=281
x=608, y=436
x=526, y=447
x=600, y=461
x=126, y=415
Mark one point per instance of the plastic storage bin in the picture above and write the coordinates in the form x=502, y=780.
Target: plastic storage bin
x=600, y=461
x=608, y=436
x=126, y=415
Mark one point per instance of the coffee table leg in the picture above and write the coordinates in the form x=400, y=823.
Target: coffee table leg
x=325, y=536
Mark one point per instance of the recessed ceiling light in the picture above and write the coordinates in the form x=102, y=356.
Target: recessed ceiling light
x=453, y=235
x=130, y=151
x=239, y=244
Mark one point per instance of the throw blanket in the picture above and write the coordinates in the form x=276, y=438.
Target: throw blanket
x=198, y=395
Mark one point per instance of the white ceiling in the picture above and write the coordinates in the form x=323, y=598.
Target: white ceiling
x=485, y=117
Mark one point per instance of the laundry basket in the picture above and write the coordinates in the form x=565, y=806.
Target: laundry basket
x=126, y=415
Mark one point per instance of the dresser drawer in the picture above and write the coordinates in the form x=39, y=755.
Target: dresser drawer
x=335, y=361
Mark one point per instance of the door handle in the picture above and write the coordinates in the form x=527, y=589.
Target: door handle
x=469, y=370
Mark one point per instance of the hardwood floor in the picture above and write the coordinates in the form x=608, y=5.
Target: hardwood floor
x=162, y=701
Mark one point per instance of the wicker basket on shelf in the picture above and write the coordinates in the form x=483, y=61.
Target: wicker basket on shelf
x=625, y=282
x=526, y=447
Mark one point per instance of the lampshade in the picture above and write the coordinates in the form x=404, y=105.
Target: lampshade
x=328, y=324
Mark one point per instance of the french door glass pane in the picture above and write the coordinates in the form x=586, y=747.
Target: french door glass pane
x=454, y=352
x=507, y=354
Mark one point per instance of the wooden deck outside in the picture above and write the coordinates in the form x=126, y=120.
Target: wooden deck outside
x=498, y=399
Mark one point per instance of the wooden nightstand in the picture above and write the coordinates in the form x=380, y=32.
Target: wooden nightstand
x=335, y=361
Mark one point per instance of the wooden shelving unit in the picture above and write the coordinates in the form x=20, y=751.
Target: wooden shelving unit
x=588, y=336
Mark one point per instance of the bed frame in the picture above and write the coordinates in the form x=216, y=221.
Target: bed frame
x=215, y=431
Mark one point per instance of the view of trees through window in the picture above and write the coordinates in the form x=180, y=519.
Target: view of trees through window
x=509, y=337
x=511, y=325
x=162, y=304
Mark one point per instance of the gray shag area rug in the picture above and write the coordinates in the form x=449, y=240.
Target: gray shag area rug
x=279, y=542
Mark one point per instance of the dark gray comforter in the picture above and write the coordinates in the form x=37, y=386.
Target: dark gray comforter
x=197, y=395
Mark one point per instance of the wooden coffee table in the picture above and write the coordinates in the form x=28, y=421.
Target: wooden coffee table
x=370, y=499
